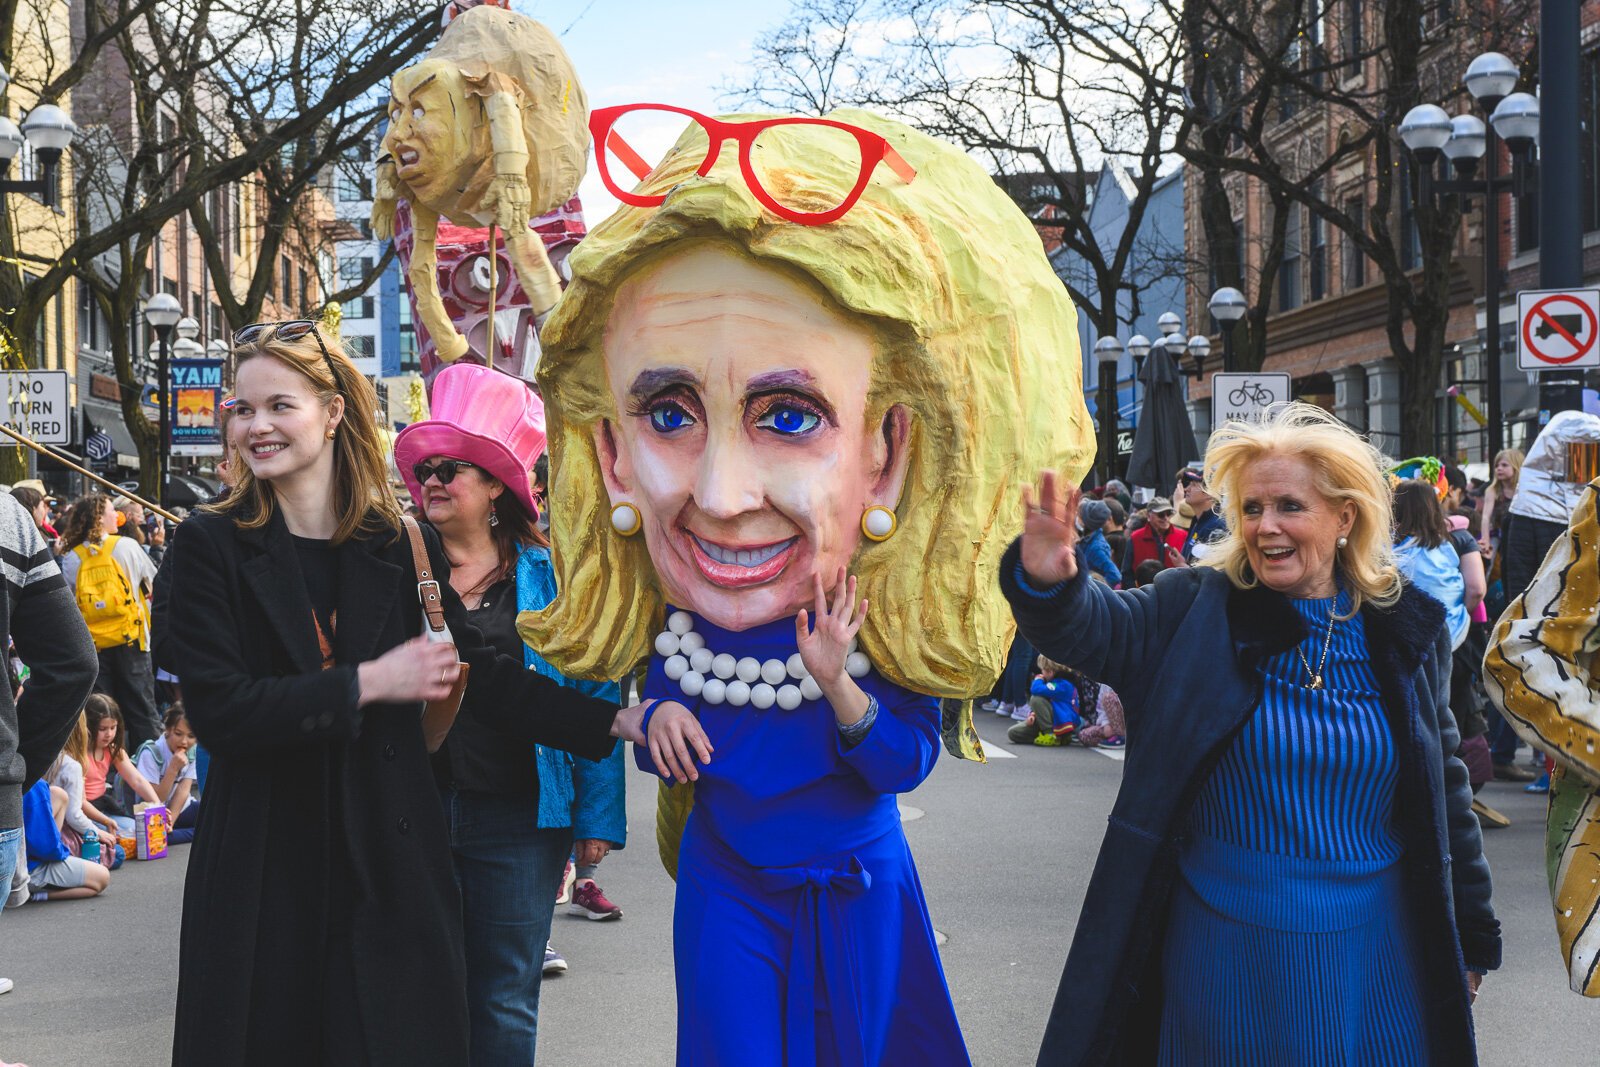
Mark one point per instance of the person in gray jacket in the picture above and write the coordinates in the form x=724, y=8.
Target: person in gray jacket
x=37, y=616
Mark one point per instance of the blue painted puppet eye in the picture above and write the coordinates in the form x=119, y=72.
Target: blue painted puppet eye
x=669, y=417
x=789, y=421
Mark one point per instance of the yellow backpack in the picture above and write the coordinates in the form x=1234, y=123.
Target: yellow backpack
x=111, y=607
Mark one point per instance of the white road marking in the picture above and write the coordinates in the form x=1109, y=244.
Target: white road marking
x=1111, y=753
x=994, y=751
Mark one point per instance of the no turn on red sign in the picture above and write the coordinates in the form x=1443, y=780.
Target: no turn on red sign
x=1558, y=328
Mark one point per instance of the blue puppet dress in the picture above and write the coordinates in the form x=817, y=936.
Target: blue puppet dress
x=800, y=932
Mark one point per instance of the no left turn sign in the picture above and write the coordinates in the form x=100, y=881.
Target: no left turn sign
x=1558, y=328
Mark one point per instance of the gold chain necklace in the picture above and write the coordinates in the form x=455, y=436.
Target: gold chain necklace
x=1327, y=642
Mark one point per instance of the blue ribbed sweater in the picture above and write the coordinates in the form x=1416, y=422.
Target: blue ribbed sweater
x=1312, y=775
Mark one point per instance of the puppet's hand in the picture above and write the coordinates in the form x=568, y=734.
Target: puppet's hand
x=1049, y=532
x=509, y=199
x=674, y=731
x=823, y=650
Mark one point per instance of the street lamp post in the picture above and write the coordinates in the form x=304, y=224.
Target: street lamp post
x=162, y=313
x=1108, y=352
x=1431, y=135
x=1227, y=307
x=1138, y=348
x=49, y=131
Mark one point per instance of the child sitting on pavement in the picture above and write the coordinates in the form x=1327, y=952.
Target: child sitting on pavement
x=54, y=873
x=104, y=723
x=1053, y=709
x=165, y=763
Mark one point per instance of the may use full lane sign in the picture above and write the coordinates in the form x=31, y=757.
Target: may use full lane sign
x=34, y=403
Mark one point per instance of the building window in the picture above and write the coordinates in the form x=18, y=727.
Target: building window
x=356, y=270
x=362, y=346
x=305, y=290
x=1289, y=268
x=219, y=323
x=1293, y=60
x=1410, y=238
x=1353, y=40
x=1319, y=248
x=408, y=349
x=287, y=280
x=1351, y=259
x=359, y=308
x=88, y=318
x=354, y=185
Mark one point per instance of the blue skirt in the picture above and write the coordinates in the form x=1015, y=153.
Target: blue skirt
x=1251, y=995
x=833, y=963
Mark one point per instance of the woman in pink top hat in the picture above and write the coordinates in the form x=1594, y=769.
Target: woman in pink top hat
x=514, y=810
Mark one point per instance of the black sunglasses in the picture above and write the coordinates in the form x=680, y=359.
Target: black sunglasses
x=293, y=330
x=445, y=469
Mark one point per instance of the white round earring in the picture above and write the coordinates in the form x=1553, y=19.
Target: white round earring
x=1343, y=541
x=625, y=519
x=878, y=523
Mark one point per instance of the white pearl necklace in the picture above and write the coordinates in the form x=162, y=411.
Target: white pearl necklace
x=719, y=677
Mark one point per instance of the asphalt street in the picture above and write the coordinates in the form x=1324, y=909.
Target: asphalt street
x=1004, y=850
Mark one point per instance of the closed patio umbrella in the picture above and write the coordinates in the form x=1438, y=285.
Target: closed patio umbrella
x=1164, y=441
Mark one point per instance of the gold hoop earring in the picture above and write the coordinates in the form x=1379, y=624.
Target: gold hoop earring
x=878, y=523
x=625, y=519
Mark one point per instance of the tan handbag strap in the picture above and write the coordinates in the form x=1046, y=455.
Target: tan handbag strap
x=428, y=591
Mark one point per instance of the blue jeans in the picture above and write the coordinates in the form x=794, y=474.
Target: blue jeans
x=10, y=840
x=1018, y=672
x=507, y=870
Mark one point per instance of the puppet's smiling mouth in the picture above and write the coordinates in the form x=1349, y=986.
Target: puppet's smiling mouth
x=737, y=567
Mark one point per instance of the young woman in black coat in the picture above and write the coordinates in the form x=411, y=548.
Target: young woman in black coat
x=321, y=922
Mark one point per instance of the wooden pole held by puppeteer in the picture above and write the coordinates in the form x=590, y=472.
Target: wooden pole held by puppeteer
x=46, y=450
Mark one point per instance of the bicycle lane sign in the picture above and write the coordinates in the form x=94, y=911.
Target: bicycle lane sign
x=1558, y=328
x=1246, y=396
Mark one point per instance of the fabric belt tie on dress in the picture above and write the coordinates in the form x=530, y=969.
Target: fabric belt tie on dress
x=817, y=911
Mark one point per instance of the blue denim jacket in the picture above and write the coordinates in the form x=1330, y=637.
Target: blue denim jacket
x=573, y=791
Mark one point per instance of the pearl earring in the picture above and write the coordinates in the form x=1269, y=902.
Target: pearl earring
x=625, y=519
x=1342, y=542
x=878, y=523
x=494, y=516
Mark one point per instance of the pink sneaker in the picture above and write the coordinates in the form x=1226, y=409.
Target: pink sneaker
x=589, y=902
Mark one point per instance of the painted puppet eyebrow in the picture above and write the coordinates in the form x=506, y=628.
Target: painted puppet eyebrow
x=652, y=381
x=780, y=379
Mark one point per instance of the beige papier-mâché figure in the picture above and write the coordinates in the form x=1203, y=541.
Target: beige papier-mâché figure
x=490, y=129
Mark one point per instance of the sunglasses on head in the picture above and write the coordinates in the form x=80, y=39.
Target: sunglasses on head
x=445, y=469
x=259, y=332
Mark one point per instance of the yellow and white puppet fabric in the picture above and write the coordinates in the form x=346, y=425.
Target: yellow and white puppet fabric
x=1540, y=672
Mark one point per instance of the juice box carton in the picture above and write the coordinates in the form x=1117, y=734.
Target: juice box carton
x=150, y=831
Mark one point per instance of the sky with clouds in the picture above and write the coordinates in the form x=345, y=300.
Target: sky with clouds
x=656, y=51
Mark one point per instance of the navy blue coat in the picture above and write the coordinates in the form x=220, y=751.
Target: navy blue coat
x=1194, y=633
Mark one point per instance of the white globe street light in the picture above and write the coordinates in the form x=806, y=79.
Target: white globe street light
x=1490, y=77
x=1468, y=139
x=1516, y=120
x=1425, y=130
x=48, y=129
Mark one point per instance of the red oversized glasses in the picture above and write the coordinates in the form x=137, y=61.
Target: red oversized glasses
x=753, y=137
